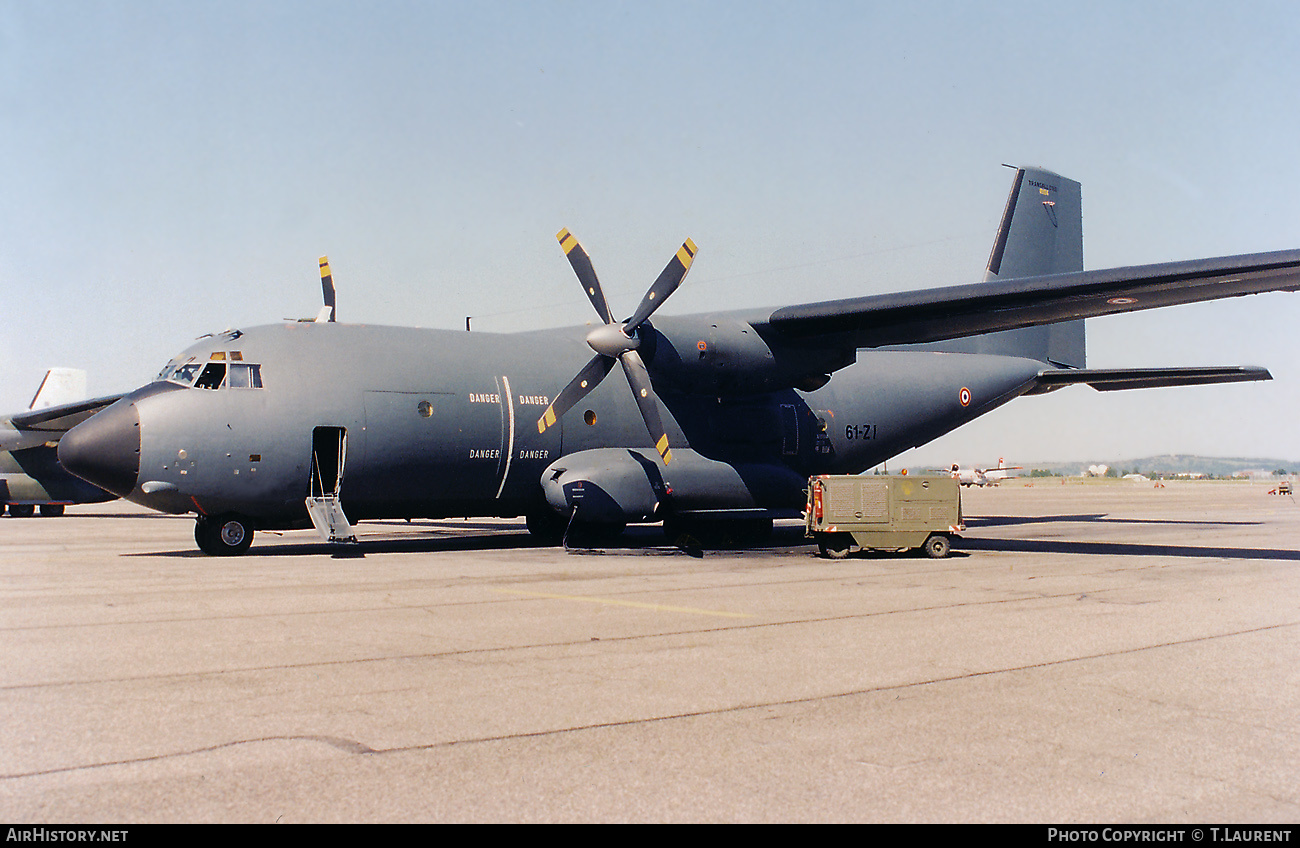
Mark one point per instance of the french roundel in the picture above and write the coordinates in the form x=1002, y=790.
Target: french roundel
x=964, y=396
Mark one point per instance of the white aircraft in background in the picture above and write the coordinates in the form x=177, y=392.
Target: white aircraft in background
x=983, y=476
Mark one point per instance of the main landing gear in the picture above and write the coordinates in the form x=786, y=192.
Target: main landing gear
x=28, y=510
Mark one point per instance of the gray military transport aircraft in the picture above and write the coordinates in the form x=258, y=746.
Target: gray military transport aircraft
x=727, y=416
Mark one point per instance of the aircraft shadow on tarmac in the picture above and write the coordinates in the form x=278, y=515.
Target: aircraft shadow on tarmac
x=1006, y=520
x=1128, y=549
x=650, y=541
x=471, y=536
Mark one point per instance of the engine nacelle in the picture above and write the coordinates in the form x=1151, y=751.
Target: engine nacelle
x=604, y=486
x=622, y=485
x=725, y=357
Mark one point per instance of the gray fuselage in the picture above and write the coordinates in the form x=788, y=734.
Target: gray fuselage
x=441, y=423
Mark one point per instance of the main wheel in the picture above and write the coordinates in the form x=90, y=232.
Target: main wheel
x=52, y=509
x=834, y=545
x=224, y=535
x=936, y=547
x=546, y=525
x=590, y=534
x=21, y=510
x=718, y=533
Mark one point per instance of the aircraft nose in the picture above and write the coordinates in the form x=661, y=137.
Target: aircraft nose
x=105, y=448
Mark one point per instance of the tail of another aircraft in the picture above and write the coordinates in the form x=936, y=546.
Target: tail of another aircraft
x=60, y=386
x=1041, y=233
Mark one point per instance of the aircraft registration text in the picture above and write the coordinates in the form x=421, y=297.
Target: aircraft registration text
x=860, y=432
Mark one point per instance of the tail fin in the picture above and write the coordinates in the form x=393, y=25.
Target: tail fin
x=1041, y=233
x=60, y=386
x=1041, y=230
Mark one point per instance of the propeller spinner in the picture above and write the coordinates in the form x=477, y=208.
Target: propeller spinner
x=615, y=341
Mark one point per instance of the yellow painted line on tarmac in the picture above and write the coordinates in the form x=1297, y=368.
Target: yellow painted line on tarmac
x=618, y=603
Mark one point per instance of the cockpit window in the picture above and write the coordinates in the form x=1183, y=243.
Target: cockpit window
x=214, y=374
x=184, y=374
x=244, y=376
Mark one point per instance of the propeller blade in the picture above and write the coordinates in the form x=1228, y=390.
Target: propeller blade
x=327, y=288
x=639, y=379
x=618, y=341
x=588, y=378
x=581, y=263
x=668, y=281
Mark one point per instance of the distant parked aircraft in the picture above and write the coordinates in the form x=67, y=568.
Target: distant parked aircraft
x=983, y=476
x=30, y=474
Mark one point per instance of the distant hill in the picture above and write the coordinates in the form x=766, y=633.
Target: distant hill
x=1174, y=463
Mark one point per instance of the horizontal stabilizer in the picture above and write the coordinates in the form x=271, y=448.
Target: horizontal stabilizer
x=1115, y=379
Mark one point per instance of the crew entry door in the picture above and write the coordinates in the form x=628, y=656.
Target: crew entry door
x=329, y=449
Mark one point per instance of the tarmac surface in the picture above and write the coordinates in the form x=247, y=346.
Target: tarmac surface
x=1088, y=653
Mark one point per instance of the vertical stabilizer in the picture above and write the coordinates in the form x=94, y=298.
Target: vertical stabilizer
x=61, y=385
x=1041, y=233
x=1041, y=230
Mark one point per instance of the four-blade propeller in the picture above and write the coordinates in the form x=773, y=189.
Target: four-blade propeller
x=618, y=341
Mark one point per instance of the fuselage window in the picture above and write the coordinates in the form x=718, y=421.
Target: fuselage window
x=214, y=374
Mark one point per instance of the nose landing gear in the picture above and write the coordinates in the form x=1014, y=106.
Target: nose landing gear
x=223, y=535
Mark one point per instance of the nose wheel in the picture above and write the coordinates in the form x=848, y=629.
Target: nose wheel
x=223, y=535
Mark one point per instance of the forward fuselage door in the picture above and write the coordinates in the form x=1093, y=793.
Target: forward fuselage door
x=329, y=449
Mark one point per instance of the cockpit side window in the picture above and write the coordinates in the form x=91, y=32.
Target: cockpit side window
x=185, y=374
x=214, y=374
x=244, y=376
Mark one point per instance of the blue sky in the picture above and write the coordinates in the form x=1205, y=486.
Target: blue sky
x=176, y=168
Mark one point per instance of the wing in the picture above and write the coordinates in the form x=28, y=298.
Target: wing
x=39, y=426
x=933, y=315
